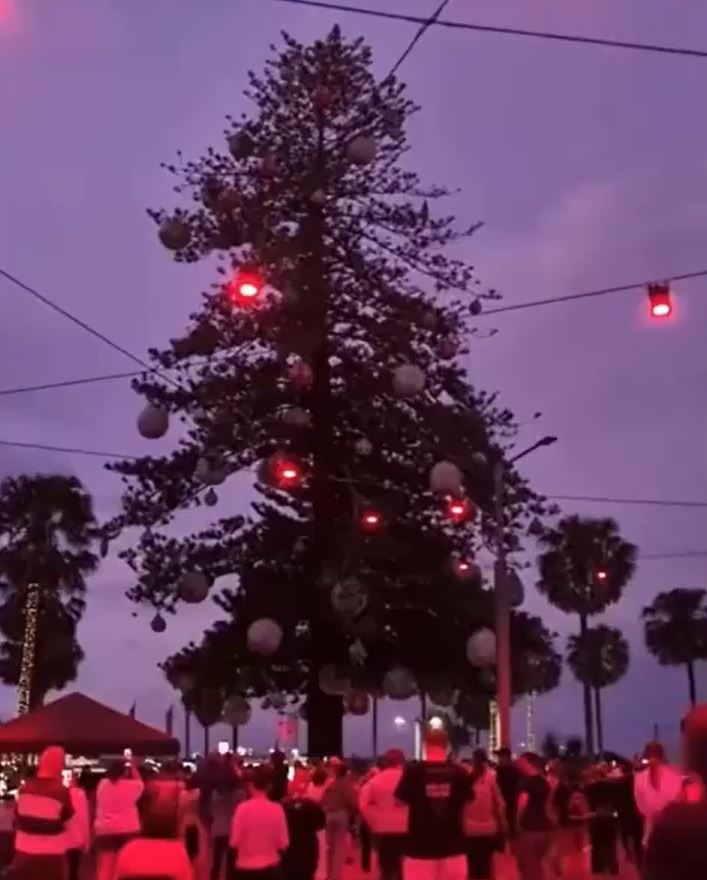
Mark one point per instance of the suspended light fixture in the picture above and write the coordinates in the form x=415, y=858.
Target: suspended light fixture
x=660, y=298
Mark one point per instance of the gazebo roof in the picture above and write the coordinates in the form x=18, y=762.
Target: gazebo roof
x=83, y=727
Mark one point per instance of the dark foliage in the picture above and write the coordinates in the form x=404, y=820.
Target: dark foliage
x=358, y=284
x=47, y=529
x=599, y=657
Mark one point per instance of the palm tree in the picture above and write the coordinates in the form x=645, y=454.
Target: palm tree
x=598, y=657
x=47, y=529
x=584, y=569
x=675, y=630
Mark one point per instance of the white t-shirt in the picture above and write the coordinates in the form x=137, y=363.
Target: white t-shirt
x=259, y=833
x=116, y=806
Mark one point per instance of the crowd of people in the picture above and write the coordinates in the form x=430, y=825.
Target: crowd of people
x=434, y=819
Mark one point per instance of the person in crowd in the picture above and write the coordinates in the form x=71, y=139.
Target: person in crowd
x=300, y=781
x=340, y=805
x=305, y=821
x=629, y=818
x=436, y=792
x=117, y=819
x=195, y=819
x=572, y=810
x=78, y=834
x=43, y=810
x=535, y=818
x=676, y=846
x=485, y=824
x=603, y=821
x=385, y=815
x=315, y=792
x=224, y=802
x=656, y=786
x=259, y=833
x=159, y=851
x=7, y=830
x=280, y=772
x=508, y=779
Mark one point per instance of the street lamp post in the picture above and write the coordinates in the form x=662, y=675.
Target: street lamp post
x=504, y=694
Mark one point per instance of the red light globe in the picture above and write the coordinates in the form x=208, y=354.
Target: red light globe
x=458, y=509
x=245, y=287
x=660, y=299
x=601, y=576
x=370, y=520
x=287, y=474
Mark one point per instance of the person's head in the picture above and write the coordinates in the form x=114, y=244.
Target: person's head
x=436, y=744
x=159, y=809
x=278, y=758
x=694, y=732
x=172, y=769
x=479, y=759
x=319, y=777
x=394, y=758
x=341, y=772
x=654, y=754
x=298, y=766
x=51, y=763
x=504, y=756
x=260, y=780
x=530, y=764
x=115, y=770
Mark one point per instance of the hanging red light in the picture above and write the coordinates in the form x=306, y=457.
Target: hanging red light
x=370, y=520
x=600, y=576
x=287, y=473
x=660, y=298
x=458, y=509
x=245, y=287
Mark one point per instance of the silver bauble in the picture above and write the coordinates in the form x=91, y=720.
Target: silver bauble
x=174, y=234
x=408, y=380
x=481, y=648
x=194, y=587
x=153, y=422
x=264, y=636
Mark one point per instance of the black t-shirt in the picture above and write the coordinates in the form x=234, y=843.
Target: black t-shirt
x=435, y=794
x=676, y=848
x=536, y=813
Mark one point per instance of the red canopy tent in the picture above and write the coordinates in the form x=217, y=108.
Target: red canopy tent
x=83, y=727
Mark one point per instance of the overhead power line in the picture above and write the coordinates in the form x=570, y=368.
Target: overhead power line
x=68, y=383
x=590, y=294
x=655, y=48
x=511, y=307
x=598, y=499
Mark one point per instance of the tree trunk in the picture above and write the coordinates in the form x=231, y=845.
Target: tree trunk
x=587, y=693
x=187, y=733
x=599, y=720
x=325, y=713
x=234, y=737
x=207, y=740
x=374, y=727
x=691, y=682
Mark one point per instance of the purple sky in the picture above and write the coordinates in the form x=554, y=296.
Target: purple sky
x=588, y=166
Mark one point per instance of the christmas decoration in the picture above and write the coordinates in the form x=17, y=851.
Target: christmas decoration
x=264, y=637
x=659, y=297
x=475, y=308
x=301, y=374
x=358, y=653
x=370, y=520
x=240, y=145
x=210, y=472
x=153, y=422
x=236, y=711
x=194, y=587
x=323, y=98
x=408, y=380
x=357, y=703
x=361, y=150
x=363, y=446
x=211, y=498
x=333, y=681
x=399, y=683
x=174, y=234
x=158, y=624
x=459, y=509
x=318, y=198
x=445, y=476
x=296, y=417
x=245, y=287
x=481, y=648
x=466, y=570
x=349, y=597
x=338, y=332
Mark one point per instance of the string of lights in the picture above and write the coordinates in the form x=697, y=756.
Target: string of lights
x=68, y=383
x=580, y=39
x=592, y=499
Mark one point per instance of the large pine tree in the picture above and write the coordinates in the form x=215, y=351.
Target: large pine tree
x=330, y=361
